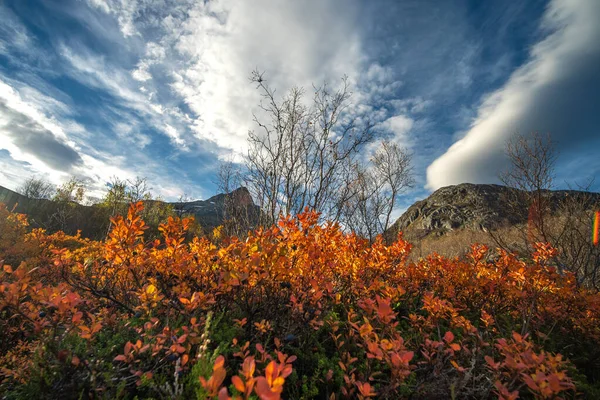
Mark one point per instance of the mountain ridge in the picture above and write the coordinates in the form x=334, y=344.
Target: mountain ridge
x=467, y=206
x=478, y=207
x=208, y=213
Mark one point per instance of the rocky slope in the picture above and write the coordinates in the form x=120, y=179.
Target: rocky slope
x=210, y=213
x=471, y=207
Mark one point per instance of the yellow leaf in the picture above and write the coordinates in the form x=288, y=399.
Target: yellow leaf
x=151, y=289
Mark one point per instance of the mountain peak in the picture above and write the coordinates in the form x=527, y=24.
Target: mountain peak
x=466, y=206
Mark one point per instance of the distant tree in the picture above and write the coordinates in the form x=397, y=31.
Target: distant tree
x=181, y=210
x=67, y=197
x=121, y=193
x=72, y=190
x=531, y=171
x=564, y=223
x=570, y=233
x=37, y=188
x=138, y=190
x=115, y=198
x=392, y=167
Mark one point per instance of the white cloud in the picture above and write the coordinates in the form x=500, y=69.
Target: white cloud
x=555, y=91
x=206, y=55
x=100, y=4
x=38, y=111
x=141, y=74
x=400, y=125
x=12, y=172
x=124, y=10
x=196, y=53
x=129, y=132
x=415, y=105
x=95, y=72
x=35, y=106
x=396, y=129
x=12, y=32
x=174, y=135
x=202, y=53
x=34, y=111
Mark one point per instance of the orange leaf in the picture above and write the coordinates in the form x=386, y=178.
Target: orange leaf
x=238, y=383
x=530, y=382
x=263, y=390
x=185, y=301
x=219, y=363
x=458, y=367
x=448, y=337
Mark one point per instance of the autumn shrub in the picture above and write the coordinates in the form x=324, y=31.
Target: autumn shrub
x=298, y=310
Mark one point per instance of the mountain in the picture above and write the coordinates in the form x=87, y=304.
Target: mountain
x=91, y=220
x=446, y=213
x=473, y=207
x=210, y=213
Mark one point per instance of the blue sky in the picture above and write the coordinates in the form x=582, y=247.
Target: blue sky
x=160, y=89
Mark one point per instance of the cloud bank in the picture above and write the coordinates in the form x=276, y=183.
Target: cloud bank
x=556, y=91
x=160, y=88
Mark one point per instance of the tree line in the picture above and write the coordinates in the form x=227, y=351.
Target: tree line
x=69, y=209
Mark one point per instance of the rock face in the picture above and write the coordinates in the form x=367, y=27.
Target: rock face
x=210, y=213
x=469, y=206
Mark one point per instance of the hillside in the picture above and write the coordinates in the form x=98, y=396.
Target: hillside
x=208, y=213
x=471, y=207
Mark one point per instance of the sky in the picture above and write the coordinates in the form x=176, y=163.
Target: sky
x=160, y=88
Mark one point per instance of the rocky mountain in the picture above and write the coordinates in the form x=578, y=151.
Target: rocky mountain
x=472, y=207
x=210, y=213
x=460, y=208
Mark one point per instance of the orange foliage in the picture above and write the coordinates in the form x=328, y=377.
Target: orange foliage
x=296, y=288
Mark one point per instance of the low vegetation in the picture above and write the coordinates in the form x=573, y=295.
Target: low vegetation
x=298, y=310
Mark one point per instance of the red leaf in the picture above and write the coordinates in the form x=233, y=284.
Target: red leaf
x=407, y=356
x=449, y=337
x=223, y=394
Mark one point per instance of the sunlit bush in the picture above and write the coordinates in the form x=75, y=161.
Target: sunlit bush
x=299, y=310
